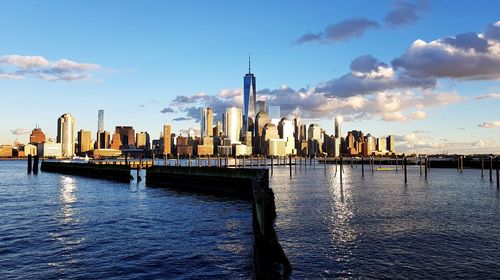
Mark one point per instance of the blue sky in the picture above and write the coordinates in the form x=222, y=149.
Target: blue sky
x=134, y=58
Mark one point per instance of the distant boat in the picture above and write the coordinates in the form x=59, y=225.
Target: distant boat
x=386, y=169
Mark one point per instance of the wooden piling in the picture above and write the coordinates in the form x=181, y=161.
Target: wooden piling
x=404, y=164
x=372, y=163
x=341, y=168
x=189, y=160
x=396, y=163
x=362, y=166
x=295, y=161
x=491, y=168
x=290, y=164
x=272, y=165
x=426, y=164
x=420, y=164
x=29, y=164
x=462, y=164
x=35, y=164
x=324, y=162
x=498, y=182
x=351, y=163
x=482, y=167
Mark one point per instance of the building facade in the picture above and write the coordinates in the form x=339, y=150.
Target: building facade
x=66, y=134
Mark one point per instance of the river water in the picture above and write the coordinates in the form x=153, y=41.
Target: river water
x=56, y=226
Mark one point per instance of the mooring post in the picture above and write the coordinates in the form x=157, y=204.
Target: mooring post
x=243, y=162
x=372, y=164
x=420, y=164
x=198, y=160
x=396, y=163
x=189, y=160
x=426, y=162
x=29, y=164
x=341, y=168
x=405, y=163
x=362, y=166
x=314, y=162
x=35, y=164
x=462, y=163
x=380, y=161
x=295, y=161
x=491, y=168
x=324, y=161
x=351, y=163
x=498, y=182
x=272, y=165
x=290, y=164
x=177, y=161
x=336, y=162
x=126, y=159
x=458, y=163
x=482, y=167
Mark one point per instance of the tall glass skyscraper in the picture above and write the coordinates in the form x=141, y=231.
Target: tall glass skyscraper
x=249, y=98
x=100, y=121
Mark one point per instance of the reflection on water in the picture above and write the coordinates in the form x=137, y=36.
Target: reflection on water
x=377, y=226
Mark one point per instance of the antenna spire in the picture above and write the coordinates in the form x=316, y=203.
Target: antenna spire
x=249, y=64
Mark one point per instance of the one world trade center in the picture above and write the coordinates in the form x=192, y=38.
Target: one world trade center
x=249, y=99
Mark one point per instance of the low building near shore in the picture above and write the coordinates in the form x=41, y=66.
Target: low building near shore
x=30, y=149
x=49, y=149
x=6, y=151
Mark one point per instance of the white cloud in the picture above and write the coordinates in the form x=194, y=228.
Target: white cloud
x=426, y=144
x=19, y=131
x=488, y=96
x=493, y=124
x=38, y=67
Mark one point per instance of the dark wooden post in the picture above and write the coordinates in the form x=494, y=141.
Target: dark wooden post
x=290, y=164
x=314, y=162
x=482, y=167
x=324, y=161
x=227, y=158
x=405, y=163
x=426, y=164
x=35, y=164
x=189, y=160
x=272, y=165
x=396, y=163
x=126, y=159
x=351, y=163
x=498, y=182
x=362, y=166
x=177, y=162
x=341, y=168
x=29, y=164
x=491, y=168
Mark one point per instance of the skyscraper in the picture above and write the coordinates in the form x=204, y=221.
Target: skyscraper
x=232, y=124
x=338, y=133
x=84, y=141
x=66, y=134
x=100, y=121
x=127, y=136
x=249, y=97
x=167, y=143
x=142, y=141
x=207, y=122
x=37, y=136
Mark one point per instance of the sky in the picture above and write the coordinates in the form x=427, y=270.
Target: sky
x=426, y=72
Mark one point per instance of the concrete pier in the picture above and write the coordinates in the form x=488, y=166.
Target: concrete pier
x=110, y=172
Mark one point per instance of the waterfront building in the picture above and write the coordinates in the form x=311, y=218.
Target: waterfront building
x=6, y=150
x=116, y=142
x=37, y=136
x=184, y=147
x=274, y=114
x=217, y=129
x=233, y=124
x=269, y=132
x=332, y=146
x=84, y=141
x=167, y=139
x=249, y=98
x=242, y=149
x=143, y=141
x=100, y=121
x=102, y=140
x=286, y=132
x=106, y=153
x=30, y=149
x=371, y=145
x=382, y=145
x=277, y=147
x=261, y=119
x=127, y=136
x=261, y=105
x=66, y=134
x=207, y=122
x=391, y=145
x=338, y=132
x=315, y=139
x=49, y=149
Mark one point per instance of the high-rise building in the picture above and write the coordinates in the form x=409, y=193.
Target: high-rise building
x=100, y=121
x=167, y=141
x=274, y=114
x=37, y=136
x=116, y=142
x=127, y=136
x=249, y=98
x=207, y=122
x=338, y=133
x=261, y=105
x=391, y=145
x=84, y=141
x=66, y=134
x=233, y=124
x=102, y=140
x=142, y=141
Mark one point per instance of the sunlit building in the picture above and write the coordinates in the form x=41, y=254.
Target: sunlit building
x=37, y=136
x=84, y=141
x=232, y=126
x=66, y=134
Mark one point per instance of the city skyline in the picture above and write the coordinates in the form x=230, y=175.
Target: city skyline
x=375, y=86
